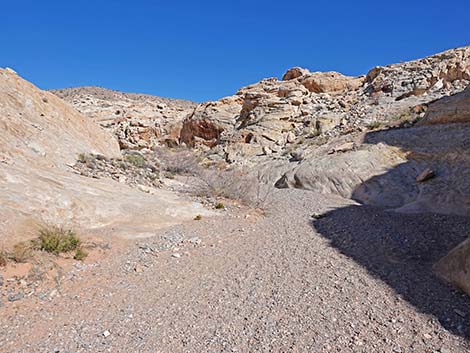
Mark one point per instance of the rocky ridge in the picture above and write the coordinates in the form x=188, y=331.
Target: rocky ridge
x=305, y=108
x=137, y=120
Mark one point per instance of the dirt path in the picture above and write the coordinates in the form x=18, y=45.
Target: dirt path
x=280, y=283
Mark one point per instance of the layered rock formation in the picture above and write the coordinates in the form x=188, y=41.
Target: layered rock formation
x=40, y=139
x=306, y=108
x=137, y=120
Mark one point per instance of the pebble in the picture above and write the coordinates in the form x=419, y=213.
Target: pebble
x=176, y=255
x=195, y=240
x=15, y=297
x=106, y=334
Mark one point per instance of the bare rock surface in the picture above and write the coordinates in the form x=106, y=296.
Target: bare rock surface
x=305, y=108
x=40, y=140
x=137, y=120
x=452, y=109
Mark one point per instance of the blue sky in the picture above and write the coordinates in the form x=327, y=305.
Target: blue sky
x=203, y=50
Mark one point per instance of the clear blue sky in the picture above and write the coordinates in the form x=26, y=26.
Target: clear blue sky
x=203, y=50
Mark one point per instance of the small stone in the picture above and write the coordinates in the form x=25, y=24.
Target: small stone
x=267, y=151
x=459, y=312
x=106, y=334
x=444, y=350
x=176, y=255
x=345, y=147
x=195, y=240
x=297, y=155
x=15, y=297
x=317, y=215
x=425, y=175
x=290, y=138
x=138, y=268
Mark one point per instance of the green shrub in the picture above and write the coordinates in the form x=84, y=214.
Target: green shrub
x=374, y=125
x=57, y=240
x=80, y=254
x=136, y=160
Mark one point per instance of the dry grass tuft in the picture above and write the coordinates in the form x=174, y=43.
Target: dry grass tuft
x=3, y=258
x=22, y=252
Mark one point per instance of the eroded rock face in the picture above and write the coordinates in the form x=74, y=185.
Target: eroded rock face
x=137, y=120
x=330, y=82
x=308, y=108
x=37, y=126
x=452, y=109
x=41, y=138
x=207, y=121
x=450, y=69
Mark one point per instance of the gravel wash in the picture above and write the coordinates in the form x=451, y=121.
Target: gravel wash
x=349, y=279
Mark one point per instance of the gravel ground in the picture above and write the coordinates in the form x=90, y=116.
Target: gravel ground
x=356, y=279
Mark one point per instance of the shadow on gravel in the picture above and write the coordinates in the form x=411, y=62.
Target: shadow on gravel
x=400, y=249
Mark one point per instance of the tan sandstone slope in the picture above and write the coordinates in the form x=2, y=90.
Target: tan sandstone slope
x=40, y=136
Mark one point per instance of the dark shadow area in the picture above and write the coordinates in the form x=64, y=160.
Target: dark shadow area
x=401, y=249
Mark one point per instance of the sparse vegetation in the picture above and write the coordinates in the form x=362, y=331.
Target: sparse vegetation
x=83, y=157
x=80, y=254
x=219, y=206
x=3, y=258
x=182, y=162
x=198, y=217
x=136, y=160
x=22, y=252
x=374, y=125
x=57, y=240
x=232, y=184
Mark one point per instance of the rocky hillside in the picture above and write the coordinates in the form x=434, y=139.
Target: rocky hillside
x=41, y=138
x=305, y=109
x=137, y=120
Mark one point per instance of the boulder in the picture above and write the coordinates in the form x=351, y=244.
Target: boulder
x=453, y=109
x=330, y=82
x=294, y=72
x=455, y=267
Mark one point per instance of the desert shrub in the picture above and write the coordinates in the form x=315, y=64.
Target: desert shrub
x=3, y=258
x=374, y=125
x=80, y=254
x=83, y=157
x=136, y=160
x=57, y=240
x=231, y=184
x=182, y=161
x=198, y=217
x=22, y=252
x=235, y=185
x=219, y=206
